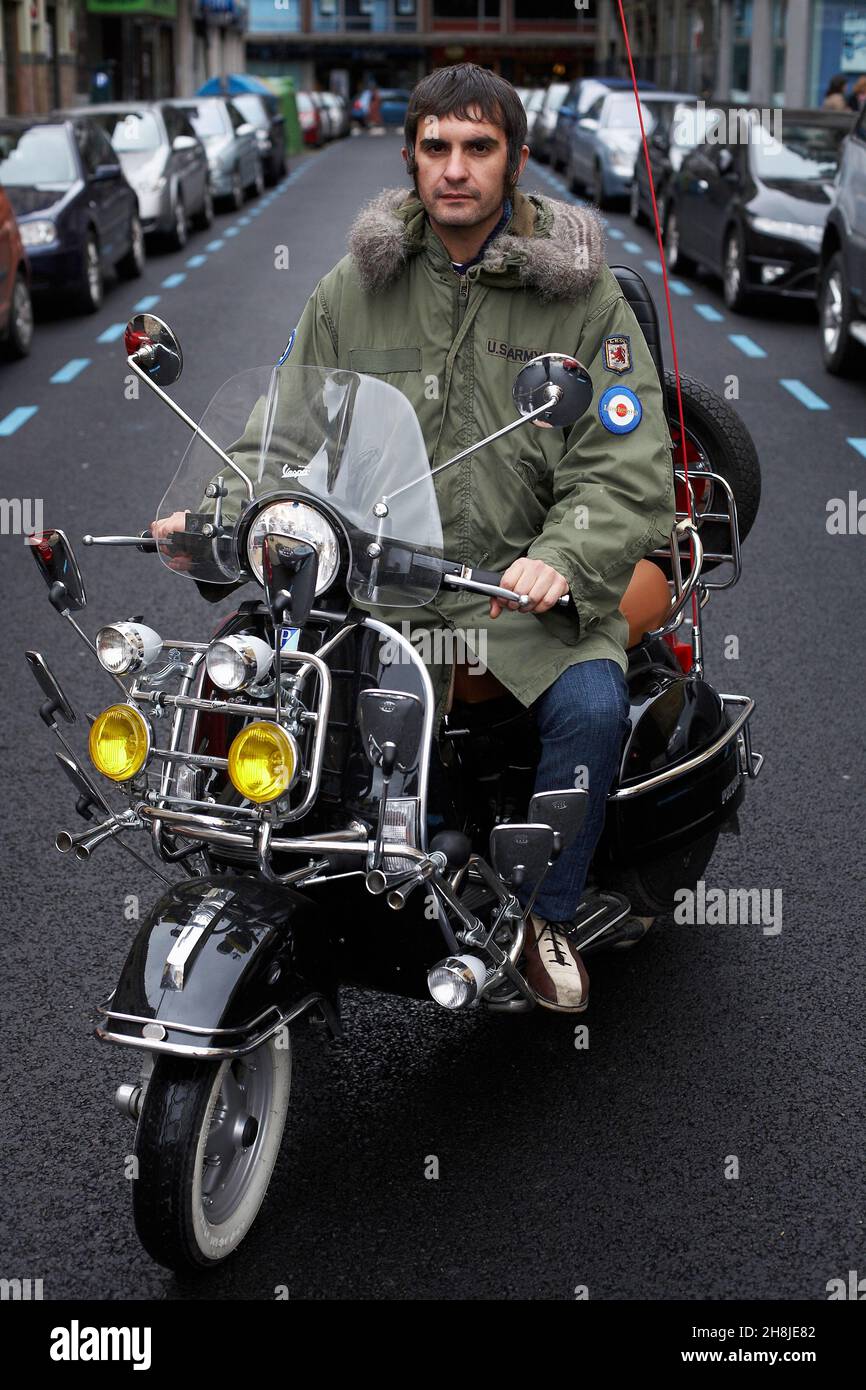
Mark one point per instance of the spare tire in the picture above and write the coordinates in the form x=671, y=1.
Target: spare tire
x=716, y=441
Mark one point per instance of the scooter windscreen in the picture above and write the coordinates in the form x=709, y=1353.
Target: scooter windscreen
x=299, y=436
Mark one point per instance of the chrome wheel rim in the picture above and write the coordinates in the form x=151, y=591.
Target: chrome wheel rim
x=733, y=272
x=831, y=312
x=137, y=244
x=179, y=223
x=672, y=242
x=22, y=313
x=236, y=1136
x=93, y=277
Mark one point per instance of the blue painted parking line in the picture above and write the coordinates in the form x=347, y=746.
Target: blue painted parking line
x=171, y=282
x=859, y=445
x=803, y=394
x=214, y=245
x=677, y=287
x=16, y=418
x=243, y=221
x=633, y=247
x=615, y=233
x=231, y=231
x=72, y=369
x=745, y=344
x=112, y=334
x=707, y=312
x=195, y=261
x=150, y=301
x=654, y=266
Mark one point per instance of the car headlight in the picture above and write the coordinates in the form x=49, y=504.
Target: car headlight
x=119, y=742
x=238, y=661
x=263, y=760
x=790, y=231
x=304, y=523
x=123, y=647
x=39, y=233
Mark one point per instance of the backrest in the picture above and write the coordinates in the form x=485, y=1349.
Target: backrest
x=637, y=294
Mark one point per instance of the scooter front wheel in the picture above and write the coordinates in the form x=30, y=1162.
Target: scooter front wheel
x=207, y=1142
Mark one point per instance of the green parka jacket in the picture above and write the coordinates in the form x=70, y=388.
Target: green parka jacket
x=588, y=501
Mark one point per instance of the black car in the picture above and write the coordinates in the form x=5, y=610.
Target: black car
x=679, y=129
x=842, y=276
x=77, y=214
x=751, y=205
x=266, y=114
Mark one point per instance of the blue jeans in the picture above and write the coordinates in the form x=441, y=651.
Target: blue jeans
x=582, y=719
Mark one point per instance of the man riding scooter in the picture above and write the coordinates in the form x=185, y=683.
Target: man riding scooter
x=444, y=289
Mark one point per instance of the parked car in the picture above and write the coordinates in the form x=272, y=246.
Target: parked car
x=339, y=114
x=16, y=309
x=361, y=107
x=164, y=160
x=679, y=128
x=533, y=105
x=605, y=142
x=266, y=114
x=310, y=118
x=578, y=99
x=545, y=121
x=842, y=267
x=231, y=146
x=77, y=214
x=327, y=121
x=753, y=209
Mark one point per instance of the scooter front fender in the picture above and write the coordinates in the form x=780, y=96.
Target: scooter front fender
x=218, y=965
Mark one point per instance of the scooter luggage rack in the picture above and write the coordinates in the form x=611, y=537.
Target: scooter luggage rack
x=733, y=556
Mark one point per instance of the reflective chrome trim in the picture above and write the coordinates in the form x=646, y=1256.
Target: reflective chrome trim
x=210, y=907
x=213, y=1053
x=670, y=774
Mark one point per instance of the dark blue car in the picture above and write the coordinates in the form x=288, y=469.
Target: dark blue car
x=77, y=214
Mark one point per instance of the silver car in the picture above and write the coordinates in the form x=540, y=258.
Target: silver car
x=232, y=148
x=164, y=160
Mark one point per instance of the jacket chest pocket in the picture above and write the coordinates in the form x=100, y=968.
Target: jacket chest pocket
x=381, y=361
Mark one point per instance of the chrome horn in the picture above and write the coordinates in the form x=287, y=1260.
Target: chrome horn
x=86, y=841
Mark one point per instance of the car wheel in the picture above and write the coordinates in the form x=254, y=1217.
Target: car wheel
x=734, y=272
x=204, y=216
x=597, y=194
x=236, y=196
x=179, y=234
x=19, y=335
x=634, y=204
x=91, y=289
x=842, y=355
x=132, y=264
x=677, y=263
x=258, y=184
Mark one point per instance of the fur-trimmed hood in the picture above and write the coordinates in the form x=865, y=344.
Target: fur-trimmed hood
x=553, y=248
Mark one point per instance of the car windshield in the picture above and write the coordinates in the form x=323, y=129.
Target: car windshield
x=130, y=132
x=208, y=119
x=252, y=109
x=350, y=442
x=556, y=95
x=40, y=156
x=688, y=127
x=801, y=152
x=620, y=113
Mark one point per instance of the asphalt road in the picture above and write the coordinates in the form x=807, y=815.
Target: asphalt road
x=559, y=1167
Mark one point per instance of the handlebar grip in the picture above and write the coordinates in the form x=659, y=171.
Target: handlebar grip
x=490, y=577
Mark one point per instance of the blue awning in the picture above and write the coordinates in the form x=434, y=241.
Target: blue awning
x=230, y=84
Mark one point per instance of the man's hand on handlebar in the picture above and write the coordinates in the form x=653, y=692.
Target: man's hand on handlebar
x=544, y=585
x=164, y=530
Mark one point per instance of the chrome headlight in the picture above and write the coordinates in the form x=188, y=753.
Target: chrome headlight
x=238, y=661
x=126, y=647
x=303, y=523
x=38, y=233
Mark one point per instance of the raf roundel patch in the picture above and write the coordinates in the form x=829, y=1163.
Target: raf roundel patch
x=620, y=410
x=616, y=353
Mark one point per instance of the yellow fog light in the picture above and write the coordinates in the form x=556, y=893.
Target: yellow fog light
x=262, y=761
x=119, y=742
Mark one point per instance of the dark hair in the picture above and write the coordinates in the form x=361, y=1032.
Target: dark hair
x=460, y=91
x=837, y=83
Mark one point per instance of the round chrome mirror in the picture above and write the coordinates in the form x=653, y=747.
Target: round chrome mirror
x=154, y=347
x=532, y=383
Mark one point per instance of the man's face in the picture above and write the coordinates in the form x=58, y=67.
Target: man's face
x=461, y=167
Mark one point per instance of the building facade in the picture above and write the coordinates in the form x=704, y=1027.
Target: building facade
x=346, y=44
x=61, y=52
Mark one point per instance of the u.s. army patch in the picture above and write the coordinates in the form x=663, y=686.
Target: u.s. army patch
x=616, y=354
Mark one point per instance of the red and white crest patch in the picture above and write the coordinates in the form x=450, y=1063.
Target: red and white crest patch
x=616, y=353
